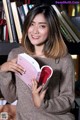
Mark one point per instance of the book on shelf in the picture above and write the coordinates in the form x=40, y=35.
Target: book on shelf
x=66, y=34
x=10, y=21
x=33, y=71
x=21, y=13
x=27, y=7
x=73, y=27
x=5, y=33
x=65, y=25
x=16, y=21
x=23, y=10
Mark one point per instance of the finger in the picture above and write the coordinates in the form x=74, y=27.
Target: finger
x=14, y=68
x=39, y=88
x=42, y=94
x=14, y=60
x=17, y=68
x=34, y=84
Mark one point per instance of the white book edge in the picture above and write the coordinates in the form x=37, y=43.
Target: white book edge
x=30, y=60
x=16, y=20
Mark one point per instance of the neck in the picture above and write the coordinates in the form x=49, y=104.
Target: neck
x=39, y=51
x=39, y=54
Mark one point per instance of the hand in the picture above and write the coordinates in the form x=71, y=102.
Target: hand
x=12, y=66
x=38, y=95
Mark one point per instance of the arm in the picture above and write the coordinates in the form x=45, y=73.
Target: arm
x=61, y=103
x=7, y=85
x=7, y=78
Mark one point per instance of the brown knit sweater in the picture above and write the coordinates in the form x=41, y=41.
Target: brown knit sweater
x=59, y=96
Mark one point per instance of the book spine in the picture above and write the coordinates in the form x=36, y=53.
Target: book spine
x=16, y=21
x=25, y=8
x=6, y=36
x=8, y=20
x=27, y=1
x=21, y=13
x=66, y=33
x=11, y=21
x=67, y=19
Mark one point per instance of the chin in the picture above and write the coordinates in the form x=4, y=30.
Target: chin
x=35, y=43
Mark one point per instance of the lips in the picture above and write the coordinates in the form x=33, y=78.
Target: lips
x=35, y=37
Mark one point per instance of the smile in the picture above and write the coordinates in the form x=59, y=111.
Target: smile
x=35, y=37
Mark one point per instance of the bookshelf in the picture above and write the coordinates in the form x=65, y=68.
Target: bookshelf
x=6, y=45
x=5, y=48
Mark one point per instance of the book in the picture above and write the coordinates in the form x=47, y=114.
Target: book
x=11, y=21
x=16, y=21
x=21, y=14
x=8, y=20
x=66, y=33
x=65, y=24
x=72, y=26
x=23, y=10
x=33, y=71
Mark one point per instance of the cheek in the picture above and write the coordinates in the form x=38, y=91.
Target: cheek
x=45, y=34
x=30, y=30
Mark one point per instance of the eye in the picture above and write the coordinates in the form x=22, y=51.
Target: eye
x=32, y=24
x=42, y=26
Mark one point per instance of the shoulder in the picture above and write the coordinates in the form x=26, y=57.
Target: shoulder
x=67, y=61
x=66, y=58
x=15, y=51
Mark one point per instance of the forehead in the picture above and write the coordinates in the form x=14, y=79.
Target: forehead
x=40, y=18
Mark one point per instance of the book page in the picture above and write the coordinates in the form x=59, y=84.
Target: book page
x=31, y=60
x=30, y=70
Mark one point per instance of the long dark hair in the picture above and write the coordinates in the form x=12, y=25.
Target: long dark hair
x=54, y=46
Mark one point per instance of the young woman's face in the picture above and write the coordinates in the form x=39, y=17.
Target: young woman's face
x=38, y=30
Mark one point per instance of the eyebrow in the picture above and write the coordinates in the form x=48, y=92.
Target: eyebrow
x=40, y=22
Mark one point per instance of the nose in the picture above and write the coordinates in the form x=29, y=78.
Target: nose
x=35, y=30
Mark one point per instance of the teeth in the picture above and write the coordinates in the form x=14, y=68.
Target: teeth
x=35, y=37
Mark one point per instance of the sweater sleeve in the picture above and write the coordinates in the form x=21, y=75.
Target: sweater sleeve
x=62, y=103
x=7, y=84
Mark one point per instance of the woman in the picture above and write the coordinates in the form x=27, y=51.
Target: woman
x=43, y=41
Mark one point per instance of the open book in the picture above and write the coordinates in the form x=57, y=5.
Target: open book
x=33, y=71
